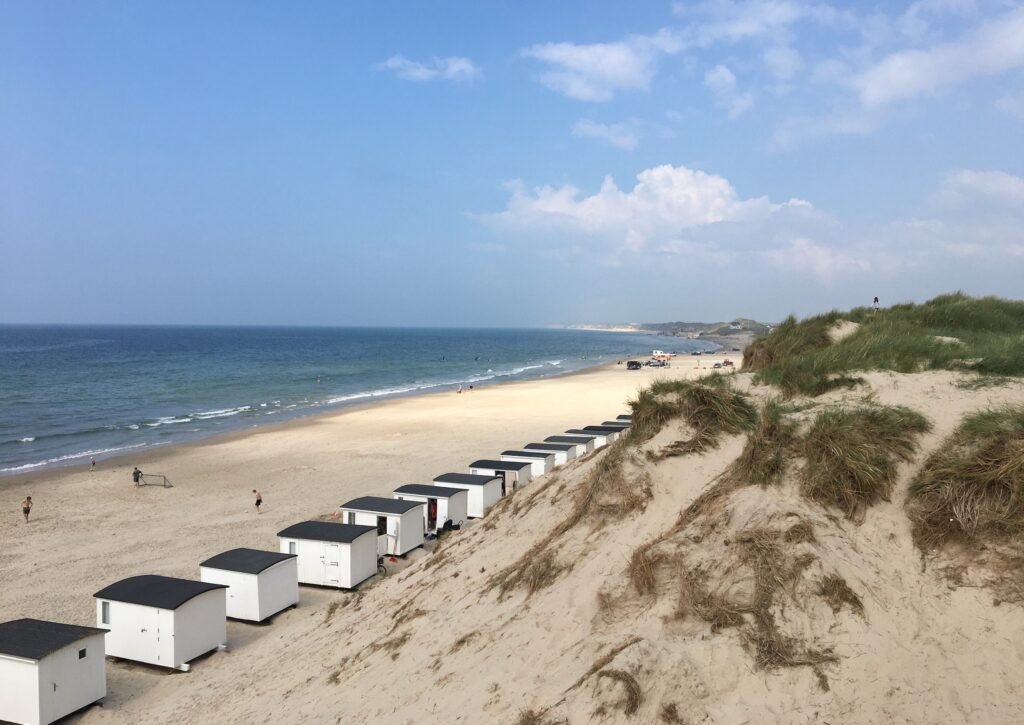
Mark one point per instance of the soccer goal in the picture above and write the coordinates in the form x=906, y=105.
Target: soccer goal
x=155, y=479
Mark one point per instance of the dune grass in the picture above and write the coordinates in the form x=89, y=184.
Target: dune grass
x=769, y=448
x=852, y=454
x=799, y=357
x=972, y=487
x=709, y=406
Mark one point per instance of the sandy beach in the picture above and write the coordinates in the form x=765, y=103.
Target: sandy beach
x=89, y=528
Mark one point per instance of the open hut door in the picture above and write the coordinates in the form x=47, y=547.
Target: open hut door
x=431, y=514
x=382, y=535
x=502, y=475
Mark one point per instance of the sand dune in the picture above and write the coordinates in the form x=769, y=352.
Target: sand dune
x=441, y=641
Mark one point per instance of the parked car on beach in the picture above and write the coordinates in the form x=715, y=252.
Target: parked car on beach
x=633, y=365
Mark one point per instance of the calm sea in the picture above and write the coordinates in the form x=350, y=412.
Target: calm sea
x=71, y=393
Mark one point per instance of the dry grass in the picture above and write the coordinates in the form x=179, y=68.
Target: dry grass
x=972, y=488
x=601, y=662
x=392, y=646
x=331, y=609
x=801, y=532
x=405, y=614
x=852, y=455
x=668, y=713
x=463, y=641
x=834, y=590
x=696, y=600
x=536, y=717
x=708, y=406
x=634, y=696
x=641, y=569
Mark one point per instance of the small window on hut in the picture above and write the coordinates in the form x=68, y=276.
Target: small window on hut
x=81, y=654
x=105, y=612
x=291, y=547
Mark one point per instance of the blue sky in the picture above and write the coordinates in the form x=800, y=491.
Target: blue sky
x=515, y=163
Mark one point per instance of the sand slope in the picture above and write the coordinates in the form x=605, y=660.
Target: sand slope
x=437, y=642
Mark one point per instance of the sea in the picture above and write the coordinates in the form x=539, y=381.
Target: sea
x=72, y=393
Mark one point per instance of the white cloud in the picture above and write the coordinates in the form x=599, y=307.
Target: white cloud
x=452, y=68
x=664, y=202
x=596, y=72
x=967, y=186
x=1012, y=106
x=733, y=21
x=722, y=83
x=822, y=262
x=989, y=49
x=619, y=135
x=783, y=62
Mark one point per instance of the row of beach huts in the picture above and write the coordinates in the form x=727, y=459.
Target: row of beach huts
x=49, y=670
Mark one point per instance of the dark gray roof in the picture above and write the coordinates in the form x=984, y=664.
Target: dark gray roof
x=618, y=423
x=604, y=428
x=422, y=489
x=580, y=432
x=500, y=465
x=626, y=418
x=153, y=590
x=381, y=505
x=246, y=561
x=528, y=454
x=575, y=440
x=325, y=531
x=551, y=446
x=467, y=479
x=33, y=639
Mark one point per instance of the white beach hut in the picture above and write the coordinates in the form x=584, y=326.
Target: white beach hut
x=161, y=620
x=613, y=433
x=399, y=523
x=49, y=670
x=483, y=491
x=541, y=461
x=260, y=583
x=583, y=445
x=625, y=418
x=620, y=424
x=564, y=452
x=600, y=439
x=513, y=473
x=442, y=506
x=331, y=554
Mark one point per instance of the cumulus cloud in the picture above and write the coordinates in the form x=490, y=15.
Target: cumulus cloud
x=989, y=49
x=597, y=71
x=722, y=83
x=452, y=68
x=664, y=202
x=968, y=186
x=619, y=135
x=822, y=262
x=733, y=21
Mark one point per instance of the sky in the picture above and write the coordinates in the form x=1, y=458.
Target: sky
x=514, y=163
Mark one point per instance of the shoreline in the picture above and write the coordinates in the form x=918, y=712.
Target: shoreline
x=152, y=455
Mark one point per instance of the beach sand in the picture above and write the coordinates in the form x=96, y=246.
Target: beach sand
x=90, y=528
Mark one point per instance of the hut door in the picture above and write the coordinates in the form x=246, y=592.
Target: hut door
x=431, y=514
x=332, y=564
x=501, y=475
x=382, y=535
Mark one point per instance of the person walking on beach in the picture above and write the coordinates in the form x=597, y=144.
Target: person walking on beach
x=92, y=464
x=137, y=476
x=26, y=507
x=259, y=499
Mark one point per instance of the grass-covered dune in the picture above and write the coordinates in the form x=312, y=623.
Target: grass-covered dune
x=984, y=335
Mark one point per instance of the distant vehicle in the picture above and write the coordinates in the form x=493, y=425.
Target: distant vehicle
x=727, y=364
x=736, y=349
x=659, y=363
x=695, y=352
x=633, y=365
x=717, y=365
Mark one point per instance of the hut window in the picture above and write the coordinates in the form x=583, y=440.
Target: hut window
x=291, y=547
x=105, y=612
x=81, y=654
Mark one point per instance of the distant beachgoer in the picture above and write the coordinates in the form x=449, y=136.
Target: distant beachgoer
x=459, y=391
x=471, y=388
x=259, y=500
x=874, y=305
x=137, y=476
x=26, y=507
x=92, y=464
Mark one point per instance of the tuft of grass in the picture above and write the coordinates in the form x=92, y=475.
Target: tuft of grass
x=331, y=609
x=972, y=487
x=641, y=569
x=769, y=447
x=463, y=641
x=696, y=600
x=983, y=382
x=668, y=713
x=852, y=455
x=801, y=532
x=800, y=358
x=836, y=592
x=536, y=717
x=601, y=662
x=709, y=406
x=634, y=695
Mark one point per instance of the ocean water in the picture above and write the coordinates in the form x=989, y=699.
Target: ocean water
x=69, y=393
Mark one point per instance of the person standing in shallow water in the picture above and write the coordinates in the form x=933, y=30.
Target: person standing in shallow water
x=26, y=507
